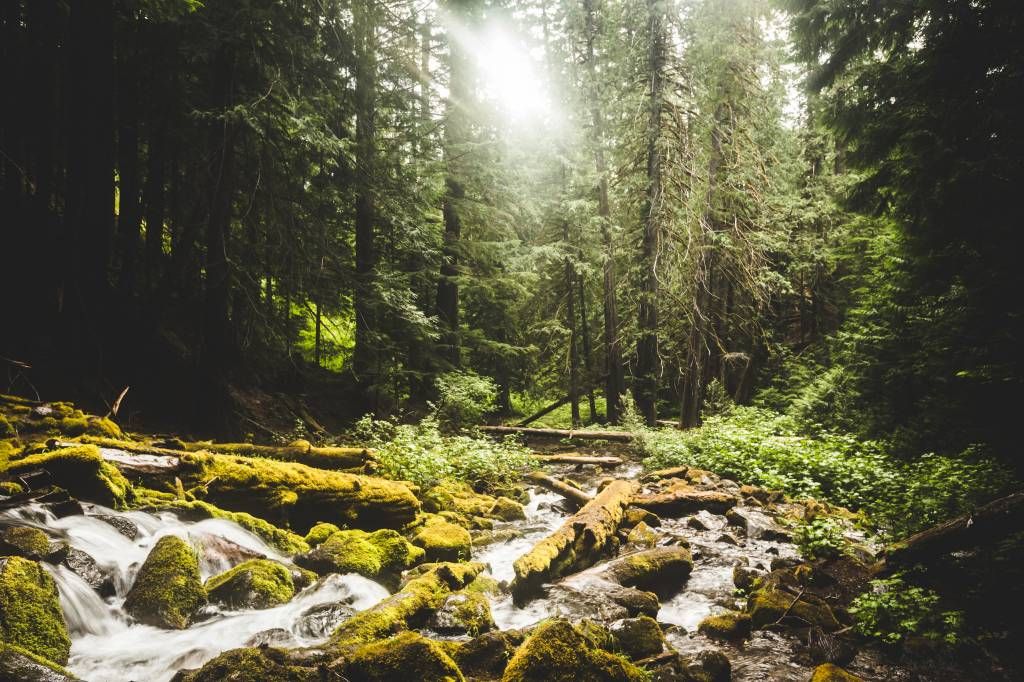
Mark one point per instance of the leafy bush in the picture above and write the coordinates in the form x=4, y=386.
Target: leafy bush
x=421, y=453
x=894, y=609
x=821, y=538
x=759, y=446
x=463, y=399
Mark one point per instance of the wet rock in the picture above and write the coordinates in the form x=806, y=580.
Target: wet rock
x=757, y=525
x=833, y=673
x=505, y=509
x=218, y=553
x=254, y=664
x=24, y=541
x=728, y=539
x=673, y=472
x=709, y=666
x=30, y=614
x=408, y=656
x=124, y=526
x=695, y=523
x=769, y=605
x=276, y=637
x=638, y=637
x=487, y=655
x=783, y=563
x=729, y=626
x=463, y=612
x=743, y=578
x=556, y=652
x=60, y=504
x=662, y=570
x=317, y=622
x=827, y=648
x=635, y=515
x=19, y=664
x=319, y=533
x=380, y=555
x=641, y=537
x=254, y=584
x=86, y=568
x=301, y=577
x=443, y=540
x=482, y=538
x=167, y=591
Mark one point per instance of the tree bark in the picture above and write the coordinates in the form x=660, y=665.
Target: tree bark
x=575, y=496
x=588, y=360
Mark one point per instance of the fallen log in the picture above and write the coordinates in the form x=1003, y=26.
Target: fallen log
x=574, y=458
x=574, y=495
x=987, y=523
x=579, y=543
x=620, y=436
x=333, y=458
x=130, y=457
x=680, y=502
x=547, y=410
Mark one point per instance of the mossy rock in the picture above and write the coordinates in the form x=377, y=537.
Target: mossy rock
x=262, y=664
x=457, y=496
x=635, y=515
x=253, y=584
x=556, y=652
x=464, y=612
x=638, y=637
x=30, y=612
x=641, y=537
x=443, y=540
x=424, y=592
x=767, y=605
x=320, y=532
x=833, y=673
x=305, y=495
x=487, y=655
x=35, y=421
x=381, y=555
x=662, y=570
x=407, y=656
x=730, y=626
x=24, y=541
x=22, y=665
x=505, y=509
x=10, y=488
x=82, y=472
x=167, y=592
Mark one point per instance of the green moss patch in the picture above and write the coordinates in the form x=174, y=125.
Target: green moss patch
x=557, y=652
x=283, y=540
x=82, y=472
x=443, y=540
x=730, y=626
x=24, y=541
x=768, y=605
x=254, y=584
x=30, y=613
x=264, y=664
x=407, y=656
x=167, y=591
x=381, y=555
x=320, y=532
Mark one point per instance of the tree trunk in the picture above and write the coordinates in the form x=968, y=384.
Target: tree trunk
x=129, y=211
x=614, y=380
x=588, y=361
x=570, y=315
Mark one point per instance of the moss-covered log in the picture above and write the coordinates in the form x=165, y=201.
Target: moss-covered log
x=680, y=502
x=573, y=495
x=421, y=595
x=576, y=458
x=579, y=543
x=81, y=471
x=299, y=494
x=619, y=436
x=300, y=451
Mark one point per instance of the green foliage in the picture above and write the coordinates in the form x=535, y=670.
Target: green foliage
x=463, y=399
x=758, y=446
x=423, y=454
x=895, y=609
x=820, y=538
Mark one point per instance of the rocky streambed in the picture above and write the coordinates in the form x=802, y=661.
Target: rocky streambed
x=131, y=560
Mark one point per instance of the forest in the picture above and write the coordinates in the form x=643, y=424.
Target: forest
x=447, y=340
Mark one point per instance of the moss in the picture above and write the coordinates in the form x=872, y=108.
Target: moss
x=487, y=655
x=25, y=541
x=463, y=612
x=283, y=540
x=662, y=570
x=264, y=664
x=253, y=584
x=17, y=663
x=82, y=472
x=423, y=593
x=167, y=590
x=272, y=489
x=505, y=509
x=7, y=430
x=299, y=451
x=381, y=555
x=833, y=673
x=443, y=540
x=636, y=515
x=730, y=626
x=556, y=652
x=320, y=532
x=768, y=604
x=407, y=656
x=58, y=419
x=642, y=536
x=638, y=637
x=10, y=488
x=30, y=613
x=457, y=496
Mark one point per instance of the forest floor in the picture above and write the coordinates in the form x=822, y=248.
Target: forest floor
x=126, y=557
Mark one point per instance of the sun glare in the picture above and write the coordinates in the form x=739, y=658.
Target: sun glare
x=510, y=76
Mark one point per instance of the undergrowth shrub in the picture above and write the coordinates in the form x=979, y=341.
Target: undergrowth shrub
x=763, y=447
x=820, y=538
x=425, y=455
x=463, y=399
x=894, y=609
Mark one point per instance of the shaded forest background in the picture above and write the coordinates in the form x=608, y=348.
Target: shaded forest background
x=810, y=206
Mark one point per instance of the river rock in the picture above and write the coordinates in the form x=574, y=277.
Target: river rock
x=254, y=584
x=253, y=664
x=557, y=652
x=833, y=673
x=743, y=578
x=381, y=555
x=123, y=525
x=17, y=664
x=728, y=626
x=24, y=541
x=487, y=655
x=662, y=570
x=463, y=612
x=407, y=656
x=278, y=637
x=30, y=612
x=319, y=621
x=638, y=637
x=86, y=568
x=443, y=540
x=641, y=537
x=167, y=591
x=757, y=525
x=768, y=604
x=505, y=509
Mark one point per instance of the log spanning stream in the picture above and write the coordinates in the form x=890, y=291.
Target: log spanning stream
x=108, y=646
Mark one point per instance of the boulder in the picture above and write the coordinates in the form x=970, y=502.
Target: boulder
x=381, y=555
x=641, y=537
x=463, y=612
x=833, y=673
x=30, y=612
x=757, y=525
x=277, y=637
x=319, y=533
x=769, y=604
x=24, y=541
x=638, y=637
x=505, y=509
x=556, y=652
x=124, y=526
x=443, y=540
x=82, y=472
x=407, y=656
x=86, y=568
x=22, y=665
x=253, y=584
x=487, y=655
x=743, y=578
x=319, y=621
x=730, y=626
x=251, y=664
x=662, y=570
x=167, y=591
